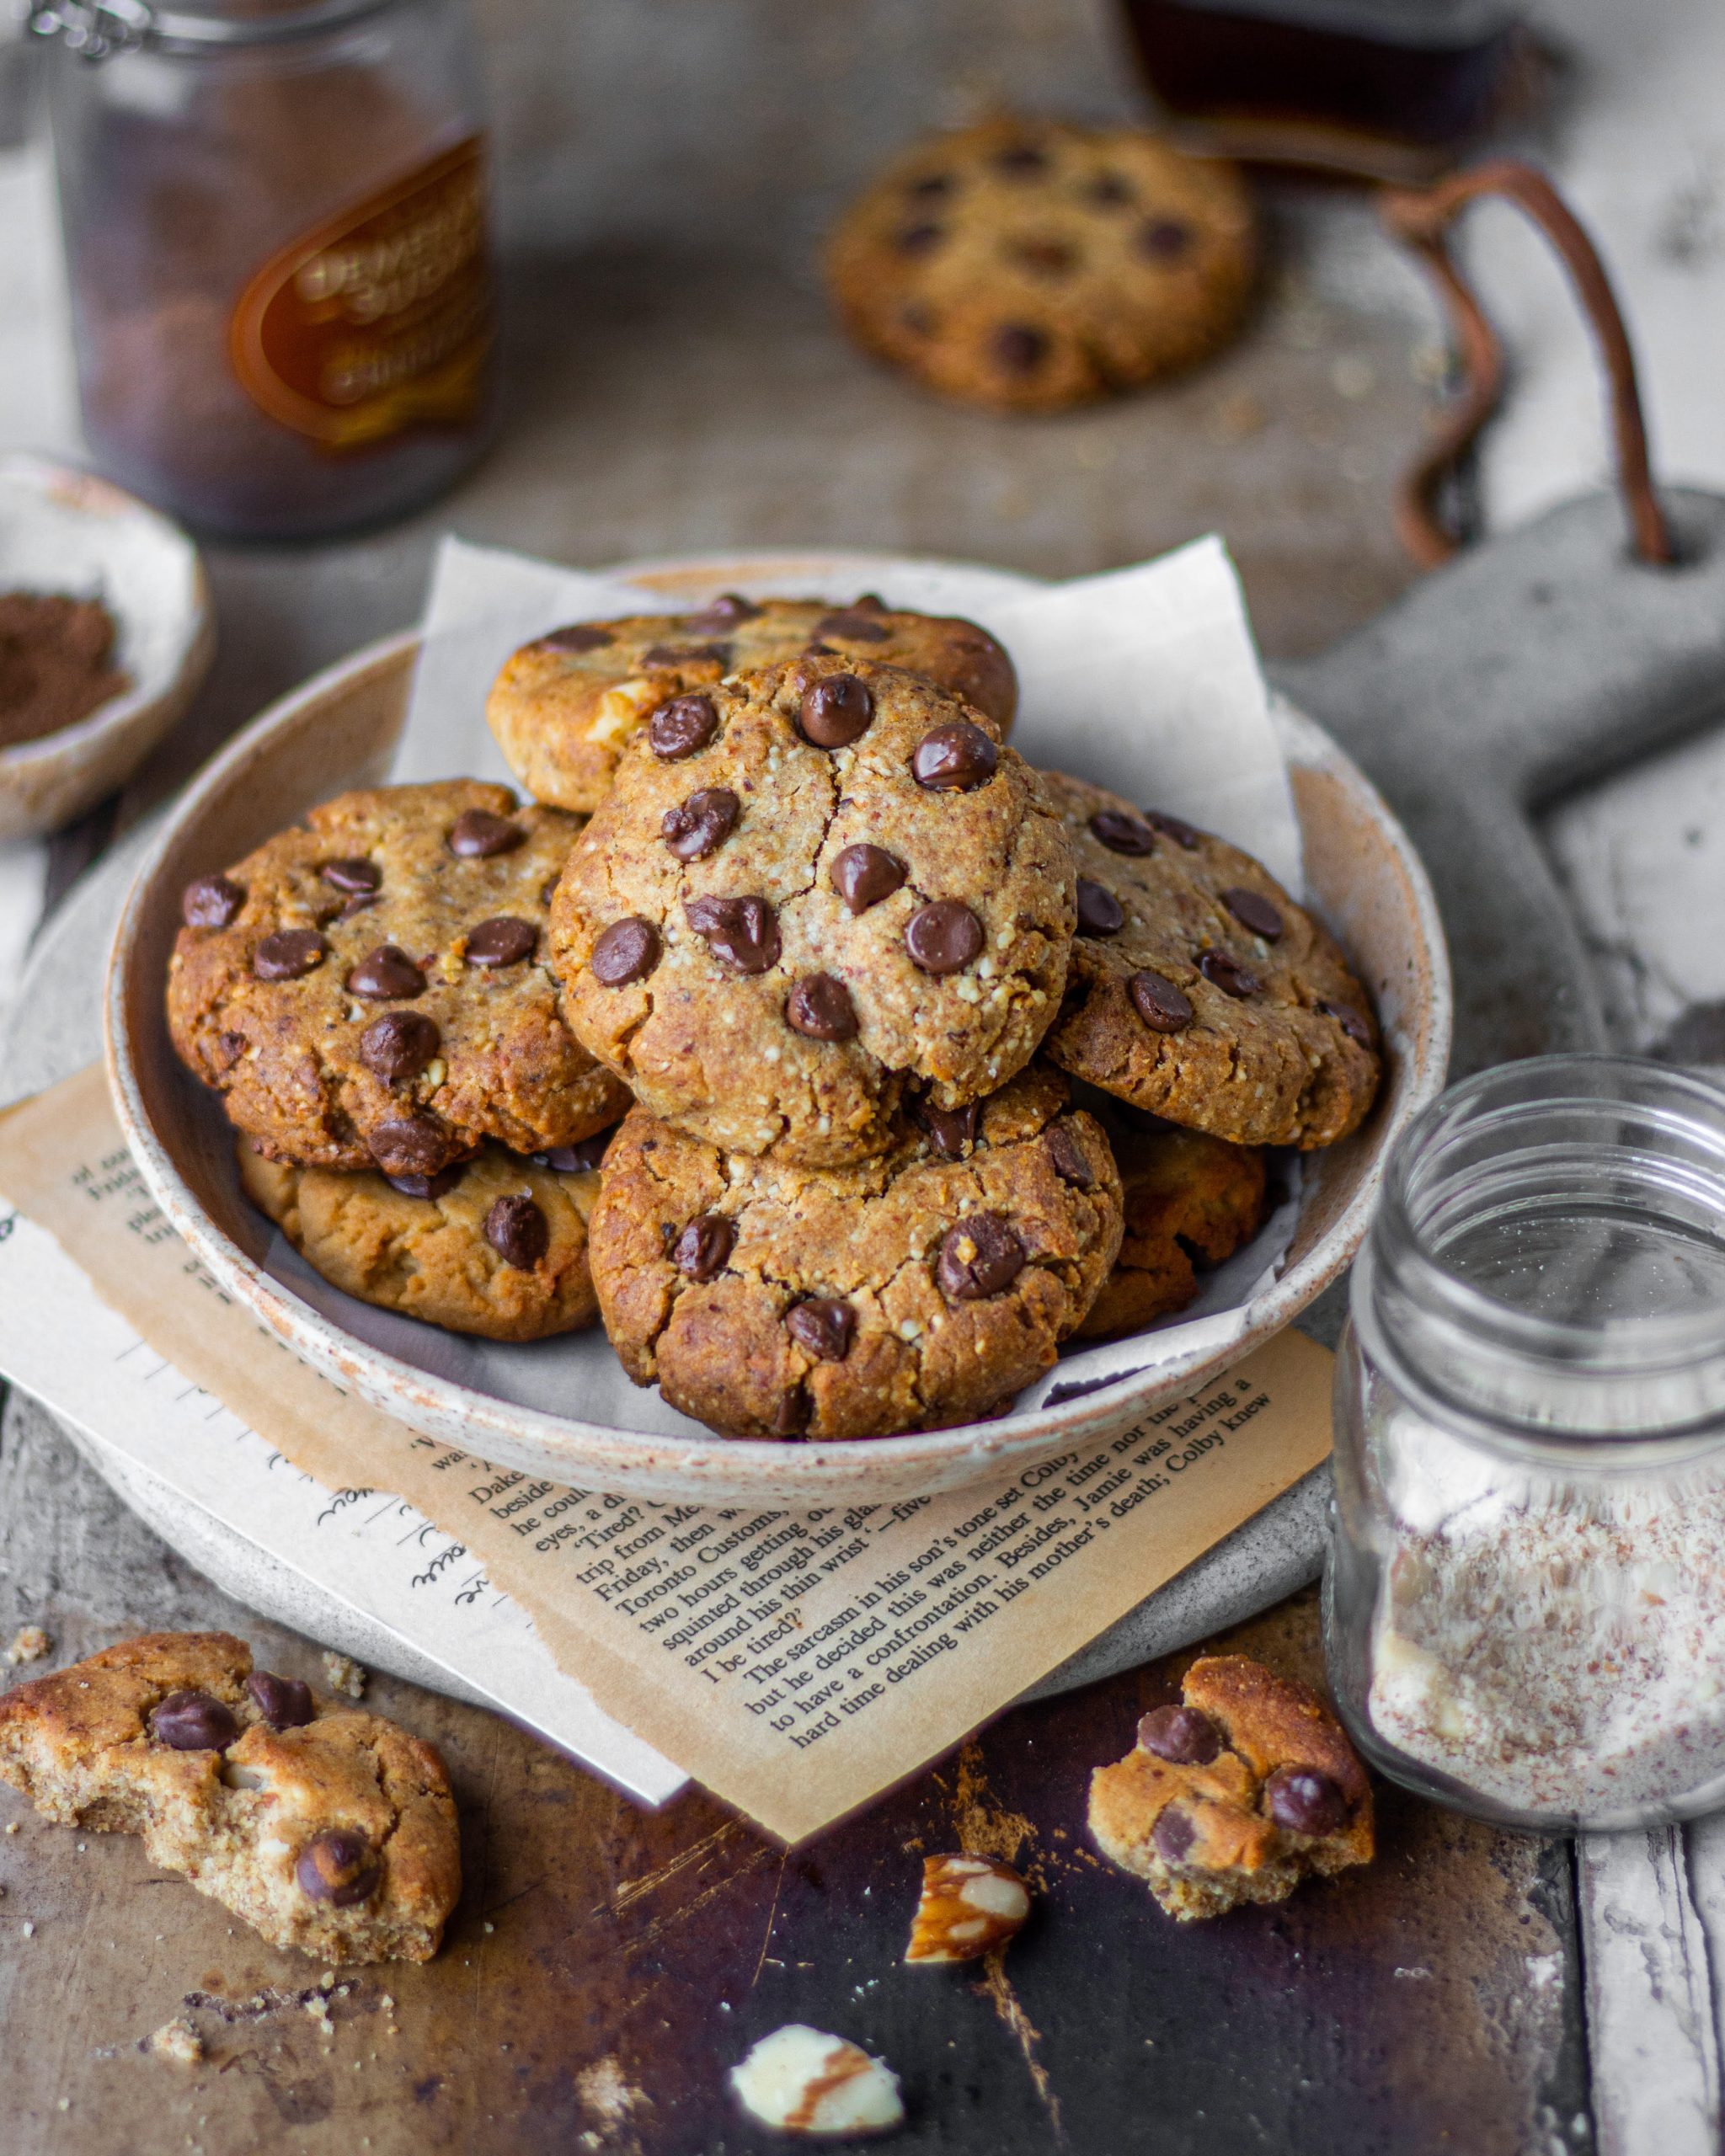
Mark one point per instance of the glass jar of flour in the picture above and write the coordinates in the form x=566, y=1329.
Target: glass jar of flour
x=1525, y=1600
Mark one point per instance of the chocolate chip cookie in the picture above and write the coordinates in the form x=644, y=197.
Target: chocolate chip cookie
x=495, y=1246
x=920, y=1288
x=1198, y=990
x=1188, y=1198
x=809, y=888
x=564, y=706
x=369, y=989
x=1029, y=266
x=323, y=1827
x=1235, y=1795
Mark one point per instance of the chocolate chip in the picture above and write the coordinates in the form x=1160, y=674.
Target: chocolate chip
x=864, y=875
x=361, y=902
x=232, y=1046
x=1223, y=971
x=284, y=1702
x=944, y=938
x=337, y=1866
x=1173, y=827
x=429, y=1187
x=193, y=1722
x=951, y=1131
x=212, y=902
x=409, y=1146
x=289, y=954
x=954, y=758
x=869, y=602
x=385, y=972
x=859, y=623
x=819, y=651
x=931, y=186
x=579, y=1159
x=1045, y=258
x=1173, y=1834
x=920, y=238
x=1164, y=239
x=821, y=1007
x=1181, y=1734
x=1253, y=910
x=824, y=1328
x=687, y=654
x=742, y=932
x=627, y=951
x=576, y=636
x=1108, y=190
x=355, y=875
x=547, y=889
x=477, y=835
x=790, y=1418
x=723, y=612
x=678, y=728
x=702, y=824
x=517, y=1230
x=835, y=712
x=979, y=1257
x=1100, y=913
x=1069, y=1162
x=1161, y=1006
x=1304, y=1801
x=398, y=1045
x=704, y=1247
x=1019, y=348
x=1123, y=834
x=1354, y=1023
x=505, y=940
x=1021, y=159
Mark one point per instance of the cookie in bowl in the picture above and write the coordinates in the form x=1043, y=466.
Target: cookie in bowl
x=922, y=1287
x=564, y=706
x=810, y=891
x=369, y=989
x=1198, y=989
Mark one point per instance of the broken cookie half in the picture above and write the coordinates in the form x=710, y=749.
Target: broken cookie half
x=1235, y=1796
x=323, y=1827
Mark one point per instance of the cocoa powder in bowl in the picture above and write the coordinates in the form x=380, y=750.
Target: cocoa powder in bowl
x=55, y=662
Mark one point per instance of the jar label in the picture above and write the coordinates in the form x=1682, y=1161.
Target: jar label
x=380, y=318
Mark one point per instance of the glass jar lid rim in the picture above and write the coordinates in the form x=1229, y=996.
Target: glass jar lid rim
x=97, y=29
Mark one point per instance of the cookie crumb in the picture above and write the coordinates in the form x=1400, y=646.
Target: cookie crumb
x=29, y=1644
x=27, y=1929
x=178, y=2041
x=346, y=1676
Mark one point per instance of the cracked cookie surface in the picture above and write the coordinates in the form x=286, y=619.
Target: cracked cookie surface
x=1198, y=991
x=809, y=888
x=565, y=706
x=923, y=1288
x=323, y=1827
x=370, y=988
x=1028, y=266
x=495, y=1246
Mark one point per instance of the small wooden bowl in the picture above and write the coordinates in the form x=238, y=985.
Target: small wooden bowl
x=338, y=730
x=61, y=530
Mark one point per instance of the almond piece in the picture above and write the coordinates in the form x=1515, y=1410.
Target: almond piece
x=970, y=1905
x=799, y=2081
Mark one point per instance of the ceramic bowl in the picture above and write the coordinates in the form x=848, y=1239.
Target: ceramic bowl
x=61, y=530
x=338, y=730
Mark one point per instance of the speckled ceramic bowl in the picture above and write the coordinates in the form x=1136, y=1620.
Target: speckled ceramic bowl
x=339, y=730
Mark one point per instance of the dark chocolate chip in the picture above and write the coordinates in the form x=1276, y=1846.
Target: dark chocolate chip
x=678, y=728
x=834, y=712
x=1173, y=1834
x=627, y=951
x=354, y=876
x=193, y=1722
x=819, y=651
x=954, y=758
x=232, y=1046
x=1108, y=190
x=1164, y=239
x=1067, y=1156
x=1045, y=258
x=1100, y=913
x=944, y=938
x=687, y=654
x=361, y=902
x=703, y=824
x=979, y=1257
x=398, y=1045
x=870, y=602
x=1174, y=828
x=576, y=636
x=409, y=1146
x=337, y=1866
x=861, y=624
x=723, y=612
x=212, y=902
x=704, y=1247
x=1161, y=1006
x=1222, y=970
x=476, y=835
x=429, y=1187
x=1020, y=348
x=1123, y=834
x=385, y=973
x=505, y=940
x=547, y=889
x=1181, y=1734
x=824, y=1328
x=289, y=954
x=790, y=1418
x=284, y=1702
x=741, y=932
x=579, y=1159
x=931, y=186
x=1021, y=159
x=1304, y=1801
x=1354, y=1023
x=864, y=875
x=1253, y=910
x=951, y=1131
x=920, y=238
x=517, y=1230
x=821, y=1007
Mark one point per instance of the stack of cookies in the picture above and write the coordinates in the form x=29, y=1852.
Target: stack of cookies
x=755, y=1037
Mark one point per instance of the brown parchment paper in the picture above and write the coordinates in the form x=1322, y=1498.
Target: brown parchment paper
x=795, y=1664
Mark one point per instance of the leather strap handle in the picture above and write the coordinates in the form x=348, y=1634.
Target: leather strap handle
x=1421, y=218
